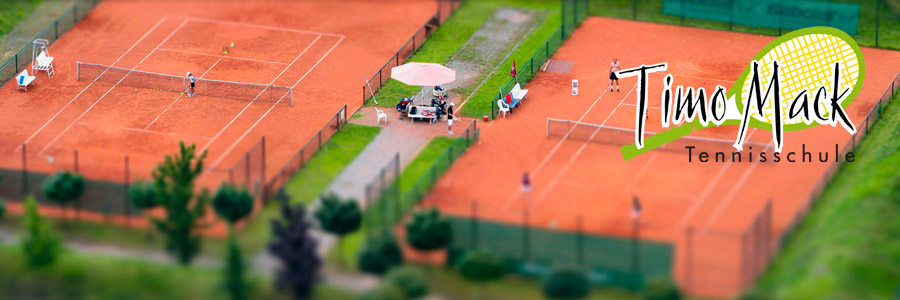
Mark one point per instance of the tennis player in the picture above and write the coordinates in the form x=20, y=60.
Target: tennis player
x=193, y=83
x=450, y=117
x=613, y=68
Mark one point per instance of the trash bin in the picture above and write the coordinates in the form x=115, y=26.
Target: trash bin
x=574, y=87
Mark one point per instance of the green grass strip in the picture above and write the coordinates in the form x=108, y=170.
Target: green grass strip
x=846, y=248
x=13, y=12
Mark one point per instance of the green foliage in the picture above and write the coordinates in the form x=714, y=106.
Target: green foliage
x=338, y=216
x=2, y=208
x=428, y=230
x=380, y=253
x=40, y=244
x=409, y=280
x=174, y=180
x=660, y=288
x=235, y=279
x=755, y=294
x=566, y=284
x=63, y=187
x=481, y=266
x=14, y=12
x=143, y=195
x=232, y=203
x=383, y=292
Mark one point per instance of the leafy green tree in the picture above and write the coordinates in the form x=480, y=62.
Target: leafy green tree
x=380, y=253
x=409, y=280
x=338, y=216
x=482, y=267
x=295, y=248
x=63, y=187
x=661, y=288
x=174, y=181
x=39, y=243
x=235, y=278
x=428, y=231
x=143, y=195
x=232, y=203
x=755, y=294
x=2, y=208
x=566, y=284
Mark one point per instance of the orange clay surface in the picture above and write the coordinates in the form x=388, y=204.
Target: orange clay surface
x=321, y=48
x=573, y=177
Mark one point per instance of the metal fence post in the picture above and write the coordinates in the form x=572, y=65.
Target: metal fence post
x=24, y=170
x=127, y=184
x=579, y=242
x=262, y=171
x=75, y=167
x=526, y=239
x=877, y=20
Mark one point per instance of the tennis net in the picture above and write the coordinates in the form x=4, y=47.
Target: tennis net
x=178, y=84
x=622, y=136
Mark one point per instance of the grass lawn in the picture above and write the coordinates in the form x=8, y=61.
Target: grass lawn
x=13, y=12
x=651, y=11
x=78, y=276
x=345, y=256
x=304, y=187
x=846, y=248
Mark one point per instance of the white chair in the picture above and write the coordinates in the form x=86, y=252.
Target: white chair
x=503, y=108
x=43, y=63
x=518, y=93
x=381, y=116
x=23, y=80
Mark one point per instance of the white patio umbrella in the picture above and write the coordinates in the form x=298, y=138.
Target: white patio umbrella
x=423, y=74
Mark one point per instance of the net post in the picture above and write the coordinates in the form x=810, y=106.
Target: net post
x=78, y=70
x=548, y=127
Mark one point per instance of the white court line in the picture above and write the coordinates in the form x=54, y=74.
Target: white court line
x=216, y=55
x=705, y=194
x=145, y=130
x=257, y=96
x=179, y=96
x=512, y=197
x=221, y=157
x=110, y=90
x=89, y=85
x=578, y=153
x=261, y=26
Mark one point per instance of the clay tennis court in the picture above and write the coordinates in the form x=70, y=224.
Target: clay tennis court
x=320, y=49
x=720, y=203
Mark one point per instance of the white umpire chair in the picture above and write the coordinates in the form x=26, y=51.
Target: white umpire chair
x=41, y=61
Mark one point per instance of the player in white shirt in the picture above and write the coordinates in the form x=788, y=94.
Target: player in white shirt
x=613, y=68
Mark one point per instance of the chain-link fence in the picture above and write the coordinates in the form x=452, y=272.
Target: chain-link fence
x=877, y=24
x=444, y=9
x=381, y=194
x=21, y=59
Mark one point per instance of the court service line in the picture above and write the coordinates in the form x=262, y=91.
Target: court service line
x=578, y=153
x=110, y=89
x=179, y=96
x=90, y=84
x=236, y=142
x=705, y=194
x=261, y=26
x=145, y=130
x=257, y=96
x=218, y=55
x=512, y=196
x=730, y=196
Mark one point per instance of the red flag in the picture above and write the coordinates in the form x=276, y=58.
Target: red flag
x=513, y=72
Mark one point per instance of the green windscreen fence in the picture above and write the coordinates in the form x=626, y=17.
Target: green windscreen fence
x=779, y=14
x=615, y=261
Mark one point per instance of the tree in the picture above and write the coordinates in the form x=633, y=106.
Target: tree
x=174, y=187
x=232, y=203
x=39, y=243
x=2, y=208
x=293, y=246
x=143, y=195
x=428, y=231
x=235, y=280
x=482, y=267
x=566, y=284
x=338, y=217
x=409, y=280
x=380, y=253
x=63, y=187
x=661, y=288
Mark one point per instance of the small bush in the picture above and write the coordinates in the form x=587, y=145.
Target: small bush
x=383, y=292
x=409, y=280
x=661, y=288
x=566, y=284
x=380, y=253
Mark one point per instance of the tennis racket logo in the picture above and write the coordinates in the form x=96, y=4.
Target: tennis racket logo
x=802, y=79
